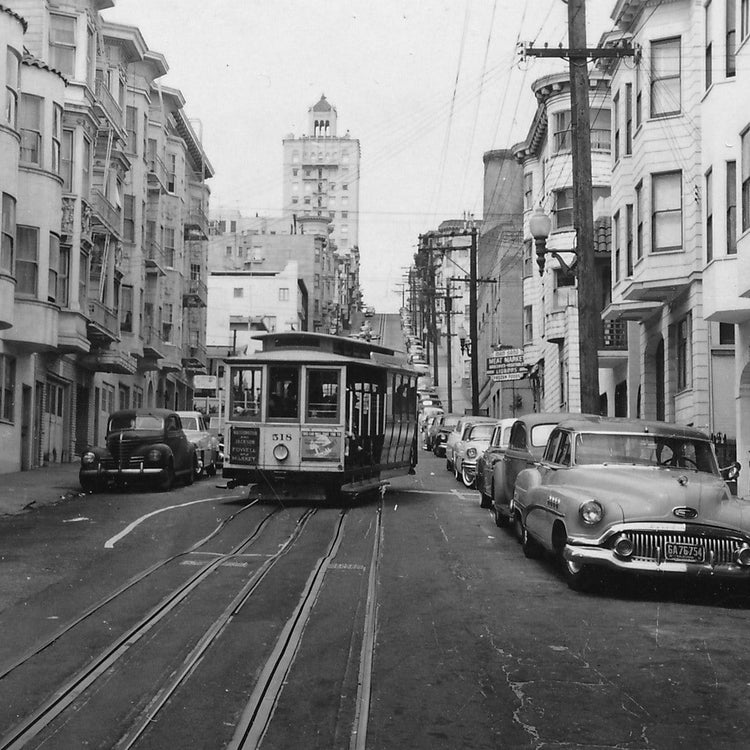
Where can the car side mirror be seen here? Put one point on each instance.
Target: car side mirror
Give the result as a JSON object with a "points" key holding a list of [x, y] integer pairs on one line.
{"points": [[731, 472]]}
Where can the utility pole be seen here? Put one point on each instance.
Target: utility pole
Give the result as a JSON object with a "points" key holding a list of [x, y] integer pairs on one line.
{"points": [[448, 313], [589, 313], [473, 323]]}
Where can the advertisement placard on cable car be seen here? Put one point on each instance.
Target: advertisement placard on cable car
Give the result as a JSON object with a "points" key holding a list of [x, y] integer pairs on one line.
{"points": [[320, 445]]}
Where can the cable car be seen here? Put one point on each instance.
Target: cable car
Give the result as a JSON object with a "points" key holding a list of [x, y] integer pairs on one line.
{"points": [[314, 416]]}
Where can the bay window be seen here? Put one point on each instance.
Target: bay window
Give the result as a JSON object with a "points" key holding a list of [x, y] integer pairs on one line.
{"points": [[666, 218], [27, 260]]}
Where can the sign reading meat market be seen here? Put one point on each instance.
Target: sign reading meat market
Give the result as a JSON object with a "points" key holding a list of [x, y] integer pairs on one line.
{"points": [[506, 364]]}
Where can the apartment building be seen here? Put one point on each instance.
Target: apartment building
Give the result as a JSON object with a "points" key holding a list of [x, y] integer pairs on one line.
{"points": [[682, 153], [81, 104], [321, 175], [550, 312]]}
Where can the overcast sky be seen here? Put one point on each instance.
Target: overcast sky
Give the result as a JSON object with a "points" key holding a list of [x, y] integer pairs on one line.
{"points": [[427, 86]]}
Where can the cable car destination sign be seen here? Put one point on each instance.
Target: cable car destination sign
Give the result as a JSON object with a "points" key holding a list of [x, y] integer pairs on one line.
{"points": [[506, 364]]}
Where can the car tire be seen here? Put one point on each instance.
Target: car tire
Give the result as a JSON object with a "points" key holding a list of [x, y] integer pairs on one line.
{"points": [[166, 481], [94, 485], [501, 521], [580, 577], [529, 545], [467, 478], [190, 476], [485, 500], [448, 465], [456, 473]]}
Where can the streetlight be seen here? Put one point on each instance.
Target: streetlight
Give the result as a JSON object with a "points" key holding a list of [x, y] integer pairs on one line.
{"points": [[540, 225]]}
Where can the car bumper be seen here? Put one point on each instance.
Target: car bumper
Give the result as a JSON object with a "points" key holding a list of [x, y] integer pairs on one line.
{"points": [[606, 558], [130, 472]]}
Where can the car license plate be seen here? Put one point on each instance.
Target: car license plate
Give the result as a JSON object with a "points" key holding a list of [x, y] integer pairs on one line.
{"points": [[679, 552]]}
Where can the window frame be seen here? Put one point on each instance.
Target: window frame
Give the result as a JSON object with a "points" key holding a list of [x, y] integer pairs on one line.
{"points": [[31, 129], [660, 80], [62, 53], [27, 260], [663, 213]]}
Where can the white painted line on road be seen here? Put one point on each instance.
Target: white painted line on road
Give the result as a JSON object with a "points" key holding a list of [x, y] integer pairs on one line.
{"points": [[116, 538], [76, 520]]}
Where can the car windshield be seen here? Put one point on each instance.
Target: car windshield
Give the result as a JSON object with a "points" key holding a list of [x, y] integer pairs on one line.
{"points": [[189, 423], [481, 432], [671, 451], [135, 422]]}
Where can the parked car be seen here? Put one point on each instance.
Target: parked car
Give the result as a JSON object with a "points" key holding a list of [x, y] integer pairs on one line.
{"points": [[528, 437], [488, 457], [142, 446], [456, 436], [636, 496], [439, 432], [474, 439], [369, 311], [206, 445]]}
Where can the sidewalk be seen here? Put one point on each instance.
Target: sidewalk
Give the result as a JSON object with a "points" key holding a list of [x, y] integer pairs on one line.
{"points": [[22, 491]]}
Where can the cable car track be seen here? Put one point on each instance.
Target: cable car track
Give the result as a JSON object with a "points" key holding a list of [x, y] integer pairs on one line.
{"points": [[72, 688]]}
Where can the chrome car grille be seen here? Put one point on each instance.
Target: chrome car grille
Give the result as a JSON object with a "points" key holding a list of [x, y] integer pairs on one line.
{"points": [[122, 454], [650, 545]]}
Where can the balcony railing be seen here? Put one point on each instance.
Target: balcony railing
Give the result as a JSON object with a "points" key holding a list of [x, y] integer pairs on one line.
{"points": [[103, 325], [157, 173], [105, 214], [108, 103], [195, 293], [196, 224], [154, 256]]}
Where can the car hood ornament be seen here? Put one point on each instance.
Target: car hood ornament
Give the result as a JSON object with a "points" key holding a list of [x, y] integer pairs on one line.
{"points": [[685, 512]]}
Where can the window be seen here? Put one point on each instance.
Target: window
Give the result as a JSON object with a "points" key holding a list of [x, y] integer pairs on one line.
{"points": [[616, 117], [638, 95], [131, 118], [126, 309], [27, 260], [57, 115], [561, 135], [66, 161], [708, 201], [528, 191], [629, 239], [232, 226], [11, 87], [128, 225], [601, 129], [345, 186], [283, 390], [322, 396], [563, 208], [639, 219], [730, 63], [63, 277], [30, 125], [744, 18], [283, 294], [745, 153], [83, 275], [171, 172], [8, 390], [53, 278], [528, 259], [726, 334], [62, 44], [166, 322], [228, 251], [8, 242], [195, 271], [628, 119], [528, 324], [169, 246], [344, 214], [731, 203], [616, 241], [666, 220], [238, 292], [708, 46], [86, 168], [665, 77], [683, 333]]}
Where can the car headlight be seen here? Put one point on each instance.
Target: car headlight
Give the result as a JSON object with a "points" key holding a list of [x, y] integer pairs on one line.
{"points": [[471, 453], [88, 458], [591, 512], [154, 455], [280, 452]]}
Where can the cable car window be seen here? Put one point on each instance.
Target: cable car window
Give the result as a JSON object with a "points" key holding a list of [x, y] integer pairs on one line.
{"points": [[283, 390], [246, 386], [322, 396]]}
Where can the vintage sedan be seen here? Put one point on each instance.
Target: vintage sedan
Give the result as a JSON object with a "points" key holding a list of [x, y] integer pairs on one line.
{"points": [[146, 446], [473, 438], [195, 425], [487, 459], [631, 495], [528, 437], [437, 438]]}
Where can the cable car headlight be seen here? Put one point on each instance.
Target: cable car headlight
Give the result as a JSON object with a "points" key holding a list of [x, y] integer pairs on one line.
{"points": [[280, 452]]}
